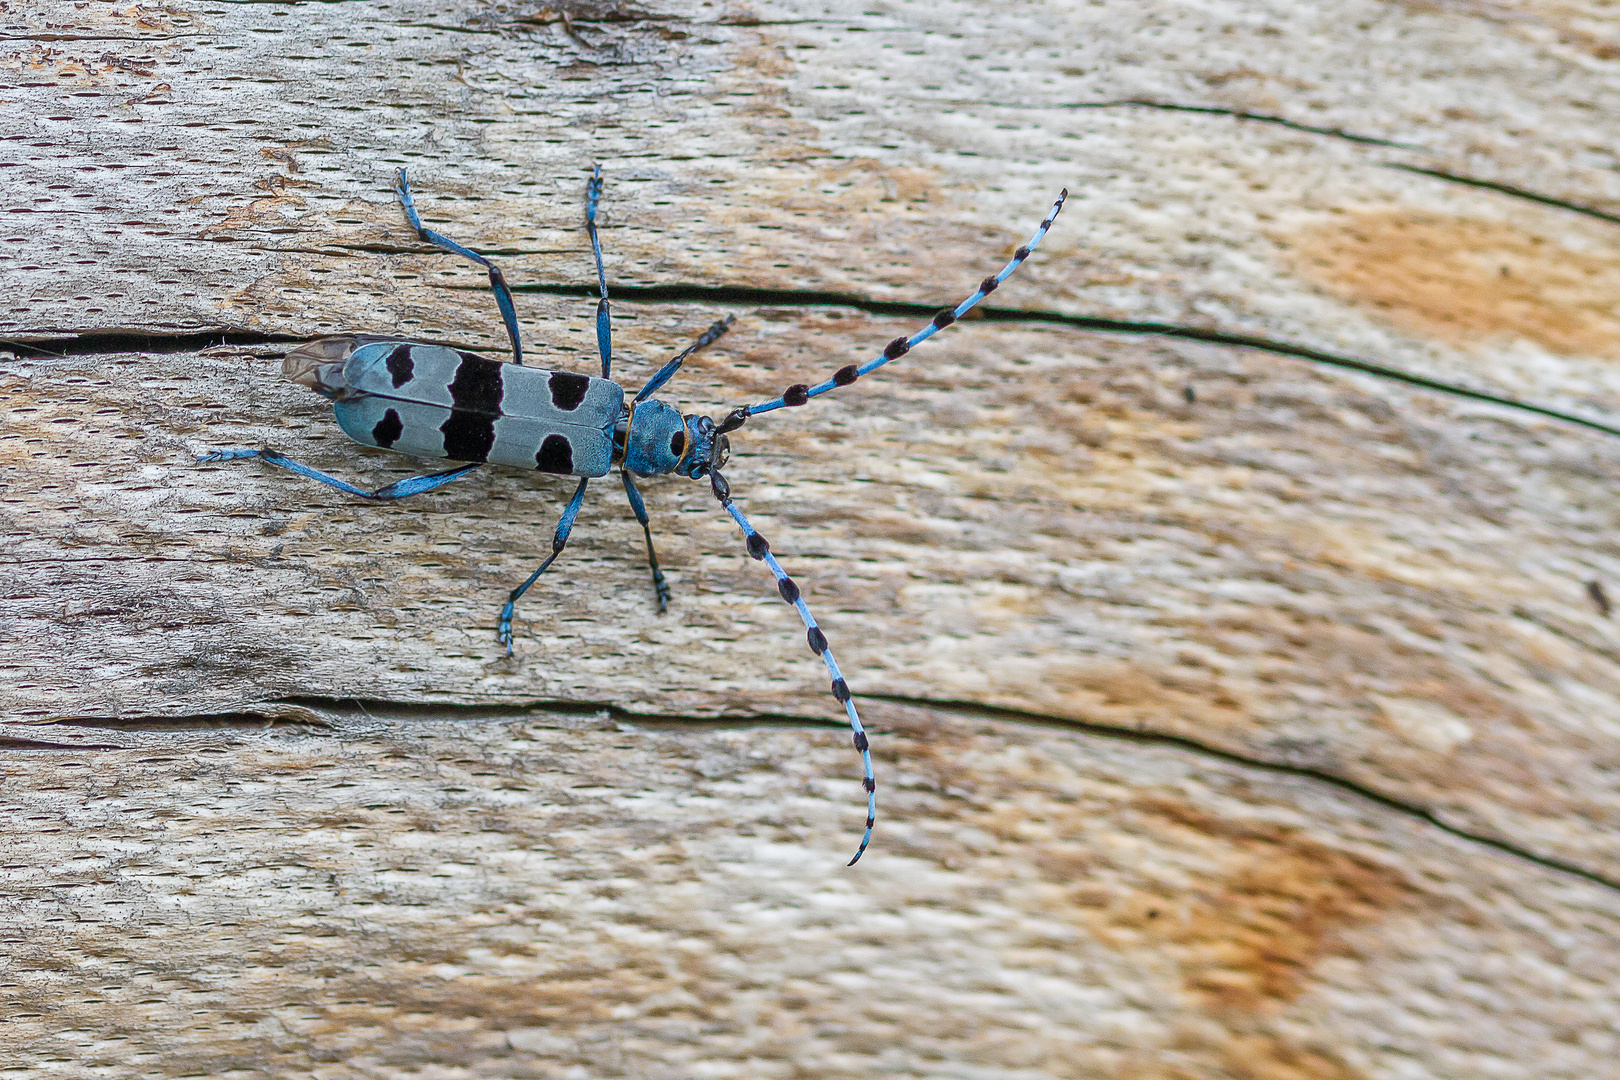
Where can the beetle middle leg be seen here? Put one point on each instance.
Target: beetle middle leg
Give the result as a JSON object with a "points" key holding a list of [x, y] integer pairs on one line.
{"points": [[633, 493], [604, 320], [564, 527], [497, 280]]}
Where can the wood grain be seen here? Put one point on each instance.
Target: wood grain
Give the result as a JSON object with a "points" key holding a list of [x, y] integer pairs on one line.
{"points": [[1236, 716], [556, 895]]}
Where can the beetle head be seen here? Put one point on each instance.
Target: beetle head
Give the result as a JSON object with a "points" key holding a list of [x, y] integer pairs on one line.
{"points": [[709, 449]]}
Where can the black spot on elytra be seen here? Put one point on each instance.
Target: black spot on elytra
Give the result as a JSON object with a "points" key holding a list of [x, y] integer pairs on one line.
{"points": [[400, 366], [477, 386], [568, 389], [556, 455], [468, 435], [388, 430]]}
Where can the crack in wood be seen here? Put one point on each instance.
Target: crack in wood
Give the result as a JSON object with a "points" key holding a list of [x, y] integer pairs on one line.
{"points": [[46, 36], [301, 712], [1506, 189], [94, 344], [1306, 772], [1349, 136], [1239, 114]]}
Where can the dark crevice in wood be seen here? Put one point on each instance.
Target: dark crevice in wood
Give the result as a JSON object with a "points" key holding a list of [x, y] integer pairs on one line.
{"points": [[11, 743], [1240, 114], [133, 38], [324, 709], [248, 720], [445, 27], [1305, 772], [1507, 189], [754, 297], [290, 3], [131, 342], [1349, 136], [102, 343]]}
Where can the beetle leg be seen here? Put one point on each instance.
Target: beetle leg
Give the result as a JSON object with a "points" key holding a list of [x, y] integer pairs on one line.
{"points": [[399, 489], [604, 323], [497, 281], [660, 586], [564, 527]]}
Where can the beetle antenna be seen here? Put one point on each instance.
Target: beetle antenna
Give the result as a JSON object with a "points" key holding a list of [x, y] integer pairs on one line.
{"points": [[663, 375], [760, 548], [799, 393]]}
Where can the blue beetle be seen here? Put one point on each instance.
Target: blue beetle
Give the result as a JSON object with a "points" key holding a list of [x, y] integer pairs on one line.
{"points": [[431, 401]]}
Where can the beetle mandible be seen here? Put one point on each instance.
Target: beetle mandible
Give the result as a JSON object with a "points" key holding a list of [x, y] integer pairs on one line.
{"points": [[436, 402]]}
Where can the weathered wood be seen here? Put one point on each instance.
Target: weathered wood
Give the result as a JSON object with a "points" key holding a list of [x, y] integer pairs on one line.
{"points": [[530, 897], [1380, 598]]}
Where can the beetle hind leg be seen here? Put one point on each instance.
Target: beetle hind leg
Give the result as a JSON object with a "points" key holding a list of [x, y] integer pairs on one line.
{"points": [[399, 489]]}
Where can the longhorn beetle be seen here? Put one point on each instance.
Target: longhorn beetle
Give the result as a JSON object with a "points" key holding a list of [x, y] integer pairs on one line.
{"points": [[436, 402]]}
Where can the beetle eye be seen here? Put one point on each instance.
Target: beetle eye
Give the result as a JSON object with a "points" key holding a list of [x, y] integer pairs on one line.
{"points": [[677, 443]]}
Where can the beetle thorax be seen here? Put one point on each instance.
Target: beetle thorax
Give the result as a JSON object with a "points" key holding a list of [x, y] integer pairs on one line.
{"points": [[656, 439]]}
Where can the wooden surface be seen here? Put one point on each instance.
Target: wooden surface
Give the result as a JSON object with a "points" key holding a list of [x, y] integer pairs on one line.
{"points": [[1236, 716]]}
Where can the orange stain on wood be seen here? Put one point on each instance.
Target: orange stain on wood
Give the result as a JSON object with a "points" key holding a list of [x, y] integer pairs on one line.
{"points": [[1252, 908], [1239, 911], [1248, 940], [1468, 281]]}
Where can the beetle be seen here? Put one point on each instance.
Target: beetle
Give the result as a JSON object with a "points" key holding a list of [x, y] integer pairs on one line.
{"points": [[432, 401]]}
